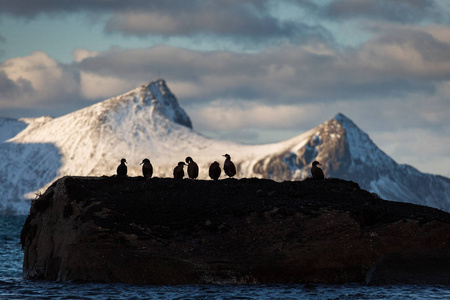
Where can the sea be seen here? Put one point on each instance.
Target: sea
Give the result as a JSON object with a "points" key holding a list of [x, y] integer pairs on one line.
{"points": [[14, 286]]}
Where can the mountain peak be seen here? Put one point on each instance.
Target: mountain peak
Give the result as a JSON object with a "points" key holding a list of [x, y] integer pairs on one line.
{"points": [[154, 97], [353, 133], [165, 102], [344, 120], [159, 83]]}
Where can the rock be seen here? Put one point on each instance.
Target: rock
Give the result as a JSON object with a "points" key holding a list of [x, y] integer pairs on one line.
{"points": [[165, 231], [412, 266]]}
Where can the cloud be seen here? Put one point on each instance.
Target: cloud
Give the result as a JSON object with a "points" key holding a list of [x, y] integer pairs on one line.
{"points": [[95, 87], [237, 21], [31, 80], [400, 11], [27, 9], [418, 147], [81, 54], [245, 20], [218, 74], [173, 13], [397, 62], [10, 89], [225, 115]]}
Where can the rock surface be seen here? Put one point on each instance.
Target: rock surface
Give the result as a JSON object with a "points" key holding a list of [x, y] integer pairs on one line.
{"points": [[165, 231]]}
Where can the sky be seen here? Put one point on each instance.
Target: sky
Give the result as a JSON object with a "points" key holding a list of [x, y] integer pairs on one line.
{"points": [[253, 71]]}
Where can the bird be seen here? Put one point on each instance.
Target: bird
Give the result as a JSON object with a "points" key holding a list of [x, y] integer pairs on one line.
{"points": [[147, 168], [317, 172], [214, 170], [192, 168], [178, 172], [228, 166], [122, 168]]}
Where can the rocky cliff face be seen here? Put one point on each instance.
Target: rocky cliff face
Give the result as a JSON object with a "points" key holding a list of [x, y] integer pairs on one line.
{"points": [[163, 231]]}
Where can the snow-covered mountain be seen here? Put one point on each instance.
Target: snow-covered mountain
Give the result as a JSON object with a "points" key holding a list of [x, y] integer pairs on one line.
{"points": [[347, 152], [148, 123]]}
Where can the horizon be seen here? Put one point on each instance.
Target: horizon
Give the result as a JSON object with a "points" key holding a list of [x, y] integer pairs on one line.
{"points": [[256, 71]]}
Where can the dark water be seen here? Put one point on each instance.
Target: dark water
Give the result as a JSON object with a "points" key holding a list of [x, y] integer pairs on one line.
{"points": [[13, 286]]}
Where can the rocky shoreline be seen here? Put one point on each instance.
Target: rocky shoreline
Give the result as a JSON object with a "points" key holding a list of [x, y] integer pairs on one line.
{"points": [[166, 231]]}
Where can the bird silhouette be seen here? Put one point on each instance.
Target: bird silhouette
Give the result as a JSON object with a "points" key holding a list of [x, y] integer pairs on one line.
{"points": [[192, 168], [122, 168], [317, 172], [147, 168], [214, 170], [228, 166], [178, 172]]}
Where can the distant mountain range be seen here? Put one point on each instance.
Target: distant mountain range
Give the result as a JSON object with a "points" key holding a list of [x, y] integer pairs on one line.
{"points": [[147, 122]]}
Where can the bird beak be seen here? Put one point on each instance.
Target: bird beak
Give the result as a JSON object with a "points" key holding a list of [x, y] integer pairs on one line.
{"points": [[141, 163]]}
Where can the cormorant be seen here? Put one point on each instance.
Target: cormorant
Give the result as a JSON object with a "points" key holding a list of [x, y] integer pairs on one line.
{"points": [[178, 172], [147, 168], [122, 168], [317, 172], [214, 170], [228, 166], [192, 168]]}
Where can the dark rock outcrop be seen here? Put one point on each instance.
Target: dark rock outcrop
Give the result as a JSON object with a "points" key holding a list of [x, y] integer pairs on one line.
{"points": [[164, 231]]}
